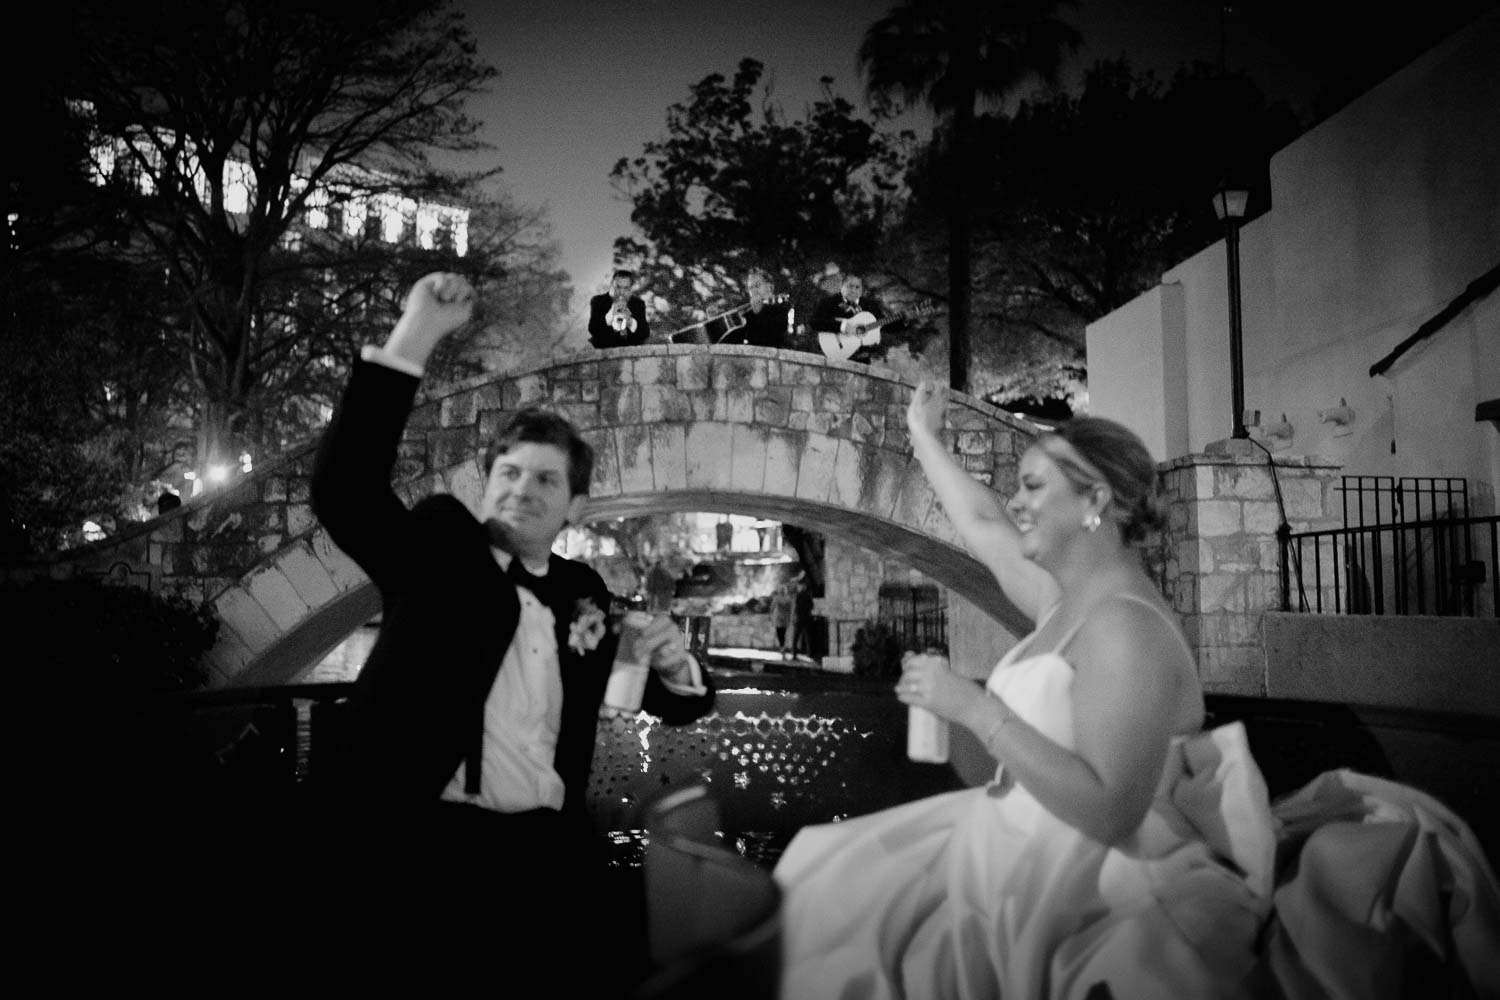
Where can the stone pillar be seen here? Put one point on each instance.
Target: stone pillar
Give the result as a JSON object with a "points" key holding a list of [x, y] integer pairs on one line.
{"points": [[1218, 560]]}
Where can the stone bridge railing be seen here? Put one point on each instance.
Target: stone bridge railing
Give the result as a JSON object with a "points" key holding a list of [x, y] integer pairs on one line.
{"points": [[777, 434]]}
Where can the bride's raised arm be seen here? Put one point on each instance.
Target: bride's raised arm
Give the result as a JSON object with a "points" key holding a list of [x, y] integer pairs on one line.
{"points": [[975, 510]]}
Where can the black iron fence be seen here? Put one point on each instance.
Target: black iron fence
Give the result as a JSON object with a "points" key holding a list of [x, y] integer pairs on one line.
{"points": [[1442, 566]]}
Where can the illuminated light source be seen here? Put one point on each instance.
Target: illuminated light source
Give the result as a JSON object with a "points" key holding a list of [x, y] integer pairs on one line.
{"points": [[218, 473], [245, 464], [92, 532]]}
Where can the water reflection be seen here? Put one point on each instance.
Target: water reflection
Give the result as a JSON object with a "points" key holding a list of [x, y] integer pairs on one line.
{"points": [[778, 753]]}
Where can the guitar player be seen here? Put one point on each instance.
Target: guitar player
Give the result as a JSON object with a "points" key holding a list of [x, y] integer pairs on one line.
{"points": [[834, 311]]}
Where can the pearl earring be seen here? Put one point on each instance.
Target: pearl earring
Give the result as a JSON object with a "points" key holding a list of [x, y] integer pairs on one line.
{"points": [[1091, 523]]}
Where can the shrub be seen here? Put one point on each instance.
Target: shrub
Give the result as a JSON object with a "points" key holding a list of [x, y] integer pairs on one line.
{"points": [[88, 637], [877, 651]]}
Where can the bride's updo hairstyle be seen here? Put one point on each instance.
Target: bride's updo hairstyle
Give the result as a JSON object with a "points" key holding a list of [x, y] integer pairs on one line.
{"points": [[1110, 452]]}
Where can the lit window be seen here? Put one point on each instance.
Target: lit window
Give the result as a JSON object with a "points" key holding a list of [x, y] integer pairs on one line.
{"points": [[317, 208], [391, 217], [238, 182], [354, 215], [427, 226]]}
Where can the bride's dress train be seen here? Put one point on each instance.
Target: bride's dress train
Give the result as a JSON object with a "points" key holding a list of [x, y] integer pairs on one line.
{"points": [[983, 893]]}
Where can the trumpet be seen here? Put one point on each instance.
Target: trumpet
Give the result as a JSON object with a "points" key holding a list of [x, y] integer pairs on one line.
{"points": [[618, 316]]}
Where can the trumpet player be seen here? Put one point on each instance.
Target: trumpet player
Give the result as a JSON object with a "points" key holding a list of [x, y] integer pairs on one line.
{"points": [[617, 318]]}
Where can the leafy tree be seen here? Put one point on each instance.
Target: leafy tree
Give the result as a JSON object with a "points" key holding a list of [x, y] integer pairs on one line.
{"points": [[953, 55], [317, 99], [123, 338], [736, 183], [1086, 199]]}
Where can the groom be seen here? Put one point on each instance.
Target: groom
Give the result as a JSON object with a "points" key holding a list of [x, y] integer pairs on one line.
{"points": [[471, 729]]}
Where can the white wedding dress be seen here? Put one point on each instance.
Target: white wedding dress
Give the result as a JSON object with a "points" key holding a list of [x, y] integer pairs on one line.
{"points": [[983, 893]]}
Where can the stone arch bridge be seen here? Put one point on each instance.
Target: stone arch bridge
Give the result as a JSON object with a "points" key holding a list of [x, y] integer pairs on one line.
{"points": [[777, 434]]}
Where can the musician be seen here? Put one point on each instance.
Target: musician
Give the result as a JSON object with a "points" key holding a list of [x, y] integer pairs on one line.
{"points": [[850, 300], [765, 321], [617, 318]]}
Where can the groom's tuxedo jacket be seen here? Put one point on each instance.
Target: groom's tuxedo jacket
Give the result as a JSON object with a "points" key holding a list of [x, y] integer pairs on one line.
{"points": [[448, 615]]}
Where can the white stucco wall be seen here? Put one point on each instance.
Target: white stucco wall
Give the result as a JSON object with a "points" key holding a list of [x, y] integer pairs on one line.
{"points": [[1382, 215]]}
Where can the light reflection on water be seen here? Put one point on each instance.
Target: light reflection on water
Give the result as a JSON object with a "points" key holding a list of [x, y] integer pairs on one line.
{"points": [[774, 759]]}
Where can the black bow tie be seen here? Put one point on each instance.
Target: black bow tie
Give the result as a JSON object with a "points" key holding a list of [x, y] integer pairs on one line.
{"points": [[541, 586]]}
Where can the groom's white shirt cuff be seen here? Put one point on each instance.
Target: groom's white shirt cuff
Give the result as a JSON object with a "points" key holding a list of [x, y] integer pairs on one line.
{"points": [[380, 356]]}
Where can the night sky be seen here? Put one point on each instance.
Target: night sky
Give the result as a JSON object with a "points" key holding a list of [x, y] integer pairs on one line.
{"points": [[585, 82]]}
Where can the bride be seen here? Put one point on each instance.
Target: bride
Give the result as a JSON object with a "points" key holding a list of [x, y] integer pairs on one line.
{"points": [[1120, 851]]}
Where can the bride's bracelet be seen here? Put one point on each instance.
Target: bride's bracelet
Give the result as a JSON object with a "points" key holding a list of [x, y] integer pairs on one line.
{"points": [[1005, 716]]}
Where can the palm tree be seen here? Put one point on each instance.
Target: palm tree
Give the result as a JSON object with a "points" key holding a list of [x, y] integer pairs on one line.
{"points": [[950, 55]]}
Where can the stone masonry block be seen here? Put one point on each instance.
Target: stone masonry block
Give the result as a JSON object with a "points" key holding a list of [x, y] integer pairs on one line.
{"points": [[803, 374], [459, 410], [913, 498], [1218, 517], [1232, 554], [847, 475], [828, 424], [605, 480], [828, 399], [1303, 498], [747, 461], [1245, 482], [706, 404], [961, 418], [669, 456], [530, 390], [307, 575], [974, 443], [634, 444], [238, 609], [299, 518], [620, 404], [275, 593], [693, 372], [345, 571], [1261, 517], [652, 371], [708, 448], [881, 476], [771, 409], [783, 457], [736, 406], [938, 525], [1221, 592], [1196, 482], [739, 373], [815, 471], [664, 402]]}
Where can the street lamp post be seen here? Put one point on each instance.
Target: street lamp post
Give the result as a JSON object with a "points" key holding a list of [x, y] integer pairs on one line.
{"points": [[1229, 206]]}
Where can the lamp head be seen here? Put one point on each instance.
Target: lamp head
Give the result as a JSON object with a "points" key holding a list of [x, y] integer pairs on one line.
{"points": [[1230, 203]]}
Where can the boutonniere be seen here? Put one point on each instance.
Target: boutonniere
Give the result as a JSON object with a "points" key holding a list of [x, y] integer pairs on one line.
{"points": [[587, 629]]}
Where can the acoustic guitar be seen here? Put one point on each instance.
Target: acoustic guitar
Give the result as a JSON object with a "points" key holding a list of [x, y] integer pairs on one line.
{"points": [[715, 328], [863, 330]]}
